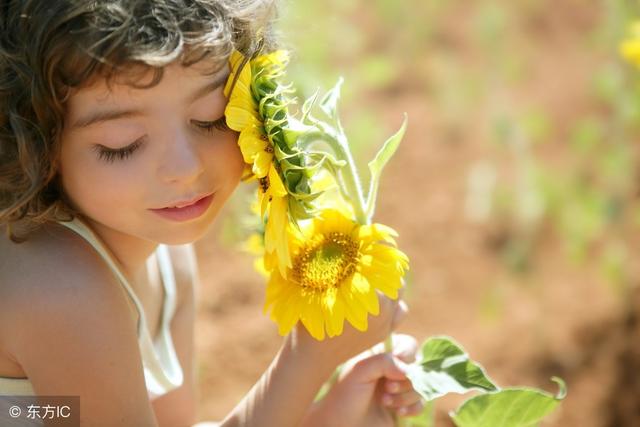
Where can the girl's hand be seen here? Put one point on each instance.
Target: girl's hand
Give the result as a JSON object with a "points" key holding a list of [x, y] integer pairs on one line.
{"points": [[336, 350], [369, 388]]}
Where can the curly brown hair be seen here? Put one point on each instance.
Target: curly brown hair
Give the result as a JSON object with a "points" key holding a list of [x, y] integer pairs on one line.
{"points": [[49, 47]]}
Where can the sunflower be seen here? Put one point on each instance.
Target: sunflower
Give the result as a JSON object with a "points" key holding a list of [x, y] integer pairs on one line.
{"points": [[337, 266], [243, 116], [247, 89], [273, 195]]}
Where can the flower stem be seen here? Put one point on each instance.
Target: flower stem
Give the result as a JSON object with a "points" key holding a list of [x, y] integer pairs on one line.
{"points": [[388, 344], [352, 187], [351, 181], [348, 178]]}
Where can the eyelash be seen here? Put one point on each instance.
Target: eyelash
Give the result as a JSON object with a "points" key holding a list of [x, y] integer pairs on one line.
{"points": [[110, 155], [209, 127]]}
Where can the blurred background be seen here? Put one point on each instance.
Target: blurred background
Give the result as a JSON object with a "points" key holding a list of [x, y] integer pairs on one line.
{"points": [[516, 192]]}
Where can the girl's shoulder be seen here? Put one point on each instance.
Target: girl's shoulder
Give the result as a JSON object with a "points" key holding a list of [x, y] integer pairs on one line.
{"points": [[55, 259], [67, 323], [56, 265], [53, 262], [42, 251]]}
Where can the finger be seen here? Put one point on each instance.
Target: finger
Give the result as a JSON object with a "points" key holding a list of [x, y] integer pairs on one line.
{"points": [[400, 400], [411, 410], [395, 386], [401, 313], [405, 347], [402, 344], [372, 368]]}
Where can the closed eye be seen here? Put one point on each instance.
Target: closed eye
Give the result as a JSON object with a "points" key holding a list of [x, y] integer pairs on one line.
{"points": [[219, 124], [110, 155]]}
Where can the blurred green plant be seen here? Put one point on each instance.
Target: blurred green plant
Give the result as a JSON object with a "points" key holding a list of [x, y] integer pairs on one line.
{"points": [[588, 197]]}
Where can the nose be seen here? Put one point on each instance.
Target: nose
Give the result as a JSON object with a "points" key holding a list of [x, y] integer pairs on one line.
{"points": [[181, 160]]}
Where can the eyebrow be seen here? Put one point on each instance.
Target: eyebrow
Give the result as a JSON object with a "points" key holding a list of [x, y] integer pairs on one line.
{"points": [[113, 114]]}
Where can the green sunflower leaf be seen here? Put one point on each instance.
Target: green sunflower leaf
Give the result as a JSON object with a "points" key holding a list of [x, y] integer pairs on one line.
{"points": [[378, 163], [512, 407], [444, 367]]}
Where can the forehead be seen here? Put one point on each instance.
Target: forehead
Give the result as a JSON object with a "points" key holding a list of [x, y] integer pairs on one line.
{"points": [[142, 80]]}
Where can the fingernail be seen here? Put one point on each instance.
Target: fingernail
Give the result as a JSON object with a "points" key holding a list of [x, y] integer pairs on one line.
{"points": [[387, 400], [402, 366], [394, 387], [402, 411]]}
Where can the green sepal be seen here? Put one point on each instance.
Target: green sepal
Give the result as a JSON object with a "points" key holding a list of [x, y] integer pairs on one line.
{"points": [[329, 103], [308, 105]]}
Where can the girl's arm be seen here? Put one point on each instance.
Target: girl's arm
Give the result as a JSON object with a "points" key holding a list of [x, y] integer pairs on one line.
{"points": [[285, 392]]}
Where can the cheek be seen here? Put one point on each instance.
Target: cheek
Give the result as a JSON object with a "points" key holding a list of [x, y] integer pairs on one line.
{"points": [[228, 159], [97, 188]]}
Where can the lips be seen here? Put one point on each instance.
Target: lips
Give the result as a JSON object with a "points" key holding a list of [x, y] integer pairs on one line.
{"points": [[185, 202], [186, 213]]}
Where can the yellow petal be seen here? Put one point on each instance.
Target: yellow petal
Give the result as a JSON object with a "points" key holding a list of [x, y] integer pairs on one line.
{"points": [[334, 312], [240, 116], [277, 239], [235, 60], [262, 162], [381, 257], [377, 232], [333, 220], [360, 284], [365, 293], [251, 144], [271, 63], [263, 201], [387, 283], [355, 312], [275, 183], [312, 318], [291, 314], [276, 288]]}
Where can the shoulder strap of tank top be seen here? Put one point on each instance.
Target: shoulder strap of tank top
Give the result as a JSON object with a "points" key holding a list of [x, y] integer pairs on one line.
{"points": [[158, 379], [85, 231], [171, 375], [169, 283]]}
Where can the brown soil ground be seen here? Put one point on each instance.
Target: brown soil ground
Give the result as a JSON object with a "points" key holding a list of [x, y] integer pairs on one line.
{"points": [[560, 318]]}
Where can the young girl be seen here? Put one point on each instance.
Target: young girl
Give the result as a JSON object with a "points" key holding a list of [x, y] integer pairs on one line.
{"points": [[114, 154]]}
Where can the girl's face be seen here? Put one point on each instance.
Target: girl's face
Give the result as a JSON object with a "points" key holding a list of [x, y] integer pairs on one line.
{"points": [[126, 151]]}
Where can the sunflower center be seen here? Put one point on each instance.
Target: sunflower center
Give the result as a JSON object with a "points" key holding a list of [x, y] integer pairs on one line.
{"points": [[326, 262]]}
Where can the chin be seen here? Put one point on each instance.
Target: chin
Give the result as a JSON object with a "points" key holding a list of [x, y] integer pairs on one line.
{"points": [[185, 236], [181, 233]]}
